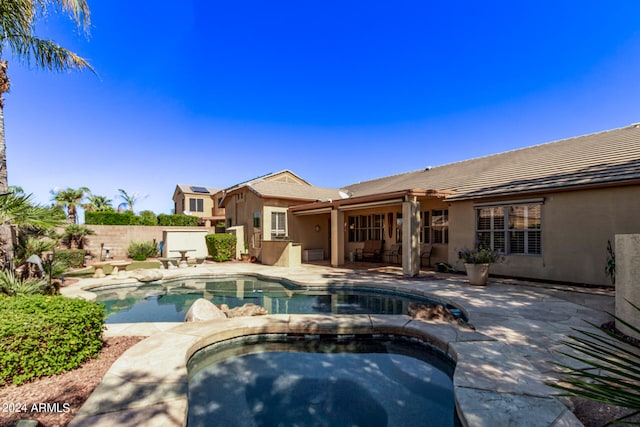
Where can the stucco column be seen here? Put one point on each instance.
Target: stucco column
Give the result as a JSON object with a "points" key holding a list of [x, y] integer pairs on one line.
{"points": [[627, 289], [411, 238], [337, 238]]}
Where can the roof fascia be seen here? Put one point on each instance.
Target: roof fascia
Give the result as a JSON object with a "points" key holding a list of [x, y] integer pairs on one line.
{"points": [[371, 198], [546, 190]]}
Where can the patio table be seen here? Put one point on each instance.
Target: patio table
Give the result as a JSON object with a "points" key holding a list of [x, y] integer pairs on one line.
{"points": [[183, 256]]}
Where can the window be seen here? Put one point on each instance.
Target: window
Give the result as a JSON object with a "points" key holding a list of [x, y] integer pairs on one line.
{"points": [[513, 229], [490, 226], [196, 205], [425, 235], [440, 226], [365, 227], [278, 225], [256, 219], [399, 227]]}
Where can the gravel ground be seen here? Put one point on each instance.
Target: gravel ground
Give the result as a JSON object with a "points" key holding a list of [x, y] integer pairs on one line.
{"points": [[65, 393]]}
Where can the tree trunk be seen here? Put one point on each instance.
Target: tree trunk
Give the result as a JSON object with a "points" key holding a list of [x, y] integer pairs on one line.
{"points": [[71, 214], [6, 232]]}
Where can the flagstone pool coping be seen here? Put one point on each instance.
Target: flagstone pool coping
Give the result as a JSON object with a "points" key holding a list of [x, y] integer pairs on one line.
{"points": [[493, 383]]}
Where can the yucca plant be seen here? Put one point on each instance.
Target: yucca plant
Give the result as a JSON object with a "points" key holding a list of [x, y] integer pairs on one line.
{"points": [[612, 372], [12, 285]]}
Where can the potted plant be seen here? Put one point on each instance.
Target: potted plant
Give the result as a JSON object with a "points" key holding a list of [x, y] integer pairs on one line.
{"points": [[245, 255], [477, 262]]}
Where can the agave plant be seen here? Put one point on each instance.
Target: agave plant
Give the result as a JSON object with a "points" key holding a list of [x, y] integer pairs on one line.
{"points": [[612, 372], [12, 285]]}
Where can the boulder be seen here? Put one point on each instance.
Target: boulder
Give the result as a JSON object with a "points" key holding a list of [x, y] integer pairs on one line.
{"points": [[249, 309], [146, 275], [435, 312], [430, 312], [203, 309]]}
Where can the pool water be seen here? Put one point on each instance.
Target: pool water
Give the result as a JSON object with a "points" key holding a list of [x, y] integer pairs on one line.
{"points": [[321, 382], [170, 301]]}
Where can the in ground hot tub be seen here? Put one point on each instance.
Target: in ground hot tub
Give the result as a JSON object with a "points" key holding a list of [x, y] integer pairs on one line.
{"points": [[280, 379]]}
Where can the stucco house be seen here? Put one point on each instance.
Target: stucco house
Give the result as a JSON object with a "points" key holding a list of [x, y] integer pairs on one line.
{"points": [[551, 208], [260, 206], [200, 201]]}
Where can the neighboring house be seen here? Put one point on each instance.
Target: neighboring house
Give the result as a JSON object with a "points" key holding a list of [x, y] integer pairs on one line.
{"points": [[200, 201], [550, 208], [261, 205]]}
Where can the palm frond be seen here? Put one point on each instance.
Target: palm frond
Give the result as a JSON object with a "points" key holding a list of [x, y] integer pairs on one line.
{"points": [[19, 210], [609, 371], [17, 31]]}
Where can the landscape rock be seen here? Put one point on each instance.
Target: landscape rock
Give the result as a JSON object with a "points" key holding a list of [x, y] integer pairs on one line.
{"points": [[430, 312], [203, 309], [247, 310], [436, 312], [146, 275]]}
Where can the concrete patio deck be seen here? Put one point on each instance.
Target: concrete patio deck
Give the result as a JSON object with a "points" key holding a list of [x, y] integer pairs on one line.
{"points": [[501, 367]]}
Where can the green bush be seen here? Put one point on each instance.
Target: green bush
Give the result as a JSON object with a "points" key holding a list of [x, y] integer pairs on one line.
{"points": [[71, 257], [140, 251], [110, 218], [178, 220], [147, 218], [46, 335], [221, 246]]}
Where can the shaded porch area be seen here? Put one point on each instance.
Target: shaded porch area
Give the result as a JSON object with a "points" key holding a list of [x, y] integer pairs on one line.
{"points": [[408, 229]]}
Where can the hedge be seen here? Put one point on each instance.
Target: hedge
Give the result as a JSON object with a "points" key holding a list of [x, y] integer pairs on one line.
{"points": [[145, 218], [46, 335], [179, 220], [221, 246], [110, 218]]}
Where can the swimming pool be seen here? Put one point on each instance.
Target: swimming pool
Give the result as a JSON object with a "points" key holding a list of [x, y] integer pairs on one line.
{"points": [[169, 301], [284, 380]]}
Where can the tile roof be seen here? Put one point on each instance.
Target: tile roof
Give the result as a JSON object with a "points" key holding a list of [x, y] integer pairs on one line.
{"points": [[600, 158], [288, 190], [187, 188]]}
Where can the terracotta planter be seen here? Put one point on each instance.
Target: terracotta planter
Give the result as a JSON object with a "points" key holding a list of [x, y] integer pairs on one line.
{"points": [[244, 257], [478, 274]]}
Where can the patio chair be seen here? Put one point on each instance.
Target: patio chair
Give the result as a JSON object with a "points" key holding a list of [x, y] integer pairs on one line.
{"points": [[395, 251], [372, 250], [425, 252]]}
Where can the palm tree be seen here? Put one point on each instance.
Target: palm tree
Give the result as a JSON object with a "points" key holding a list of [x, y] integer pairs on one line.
{"points": [[17, 211], [70, 199], [129, 199], [98, 204], [75, 235], [17, 26]]}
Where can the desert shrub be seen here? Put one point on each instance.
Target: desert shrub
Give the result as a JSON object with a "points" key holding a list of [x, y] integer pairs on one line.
{"points": [[221, 246], [71, 257], [46, 335], [10, 284], [140, 251], [178, 220]]}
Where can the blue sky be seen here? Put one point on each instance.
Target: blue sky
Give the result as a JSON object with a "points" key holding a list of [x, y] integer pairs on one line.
{"points": [[213, 93]]}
